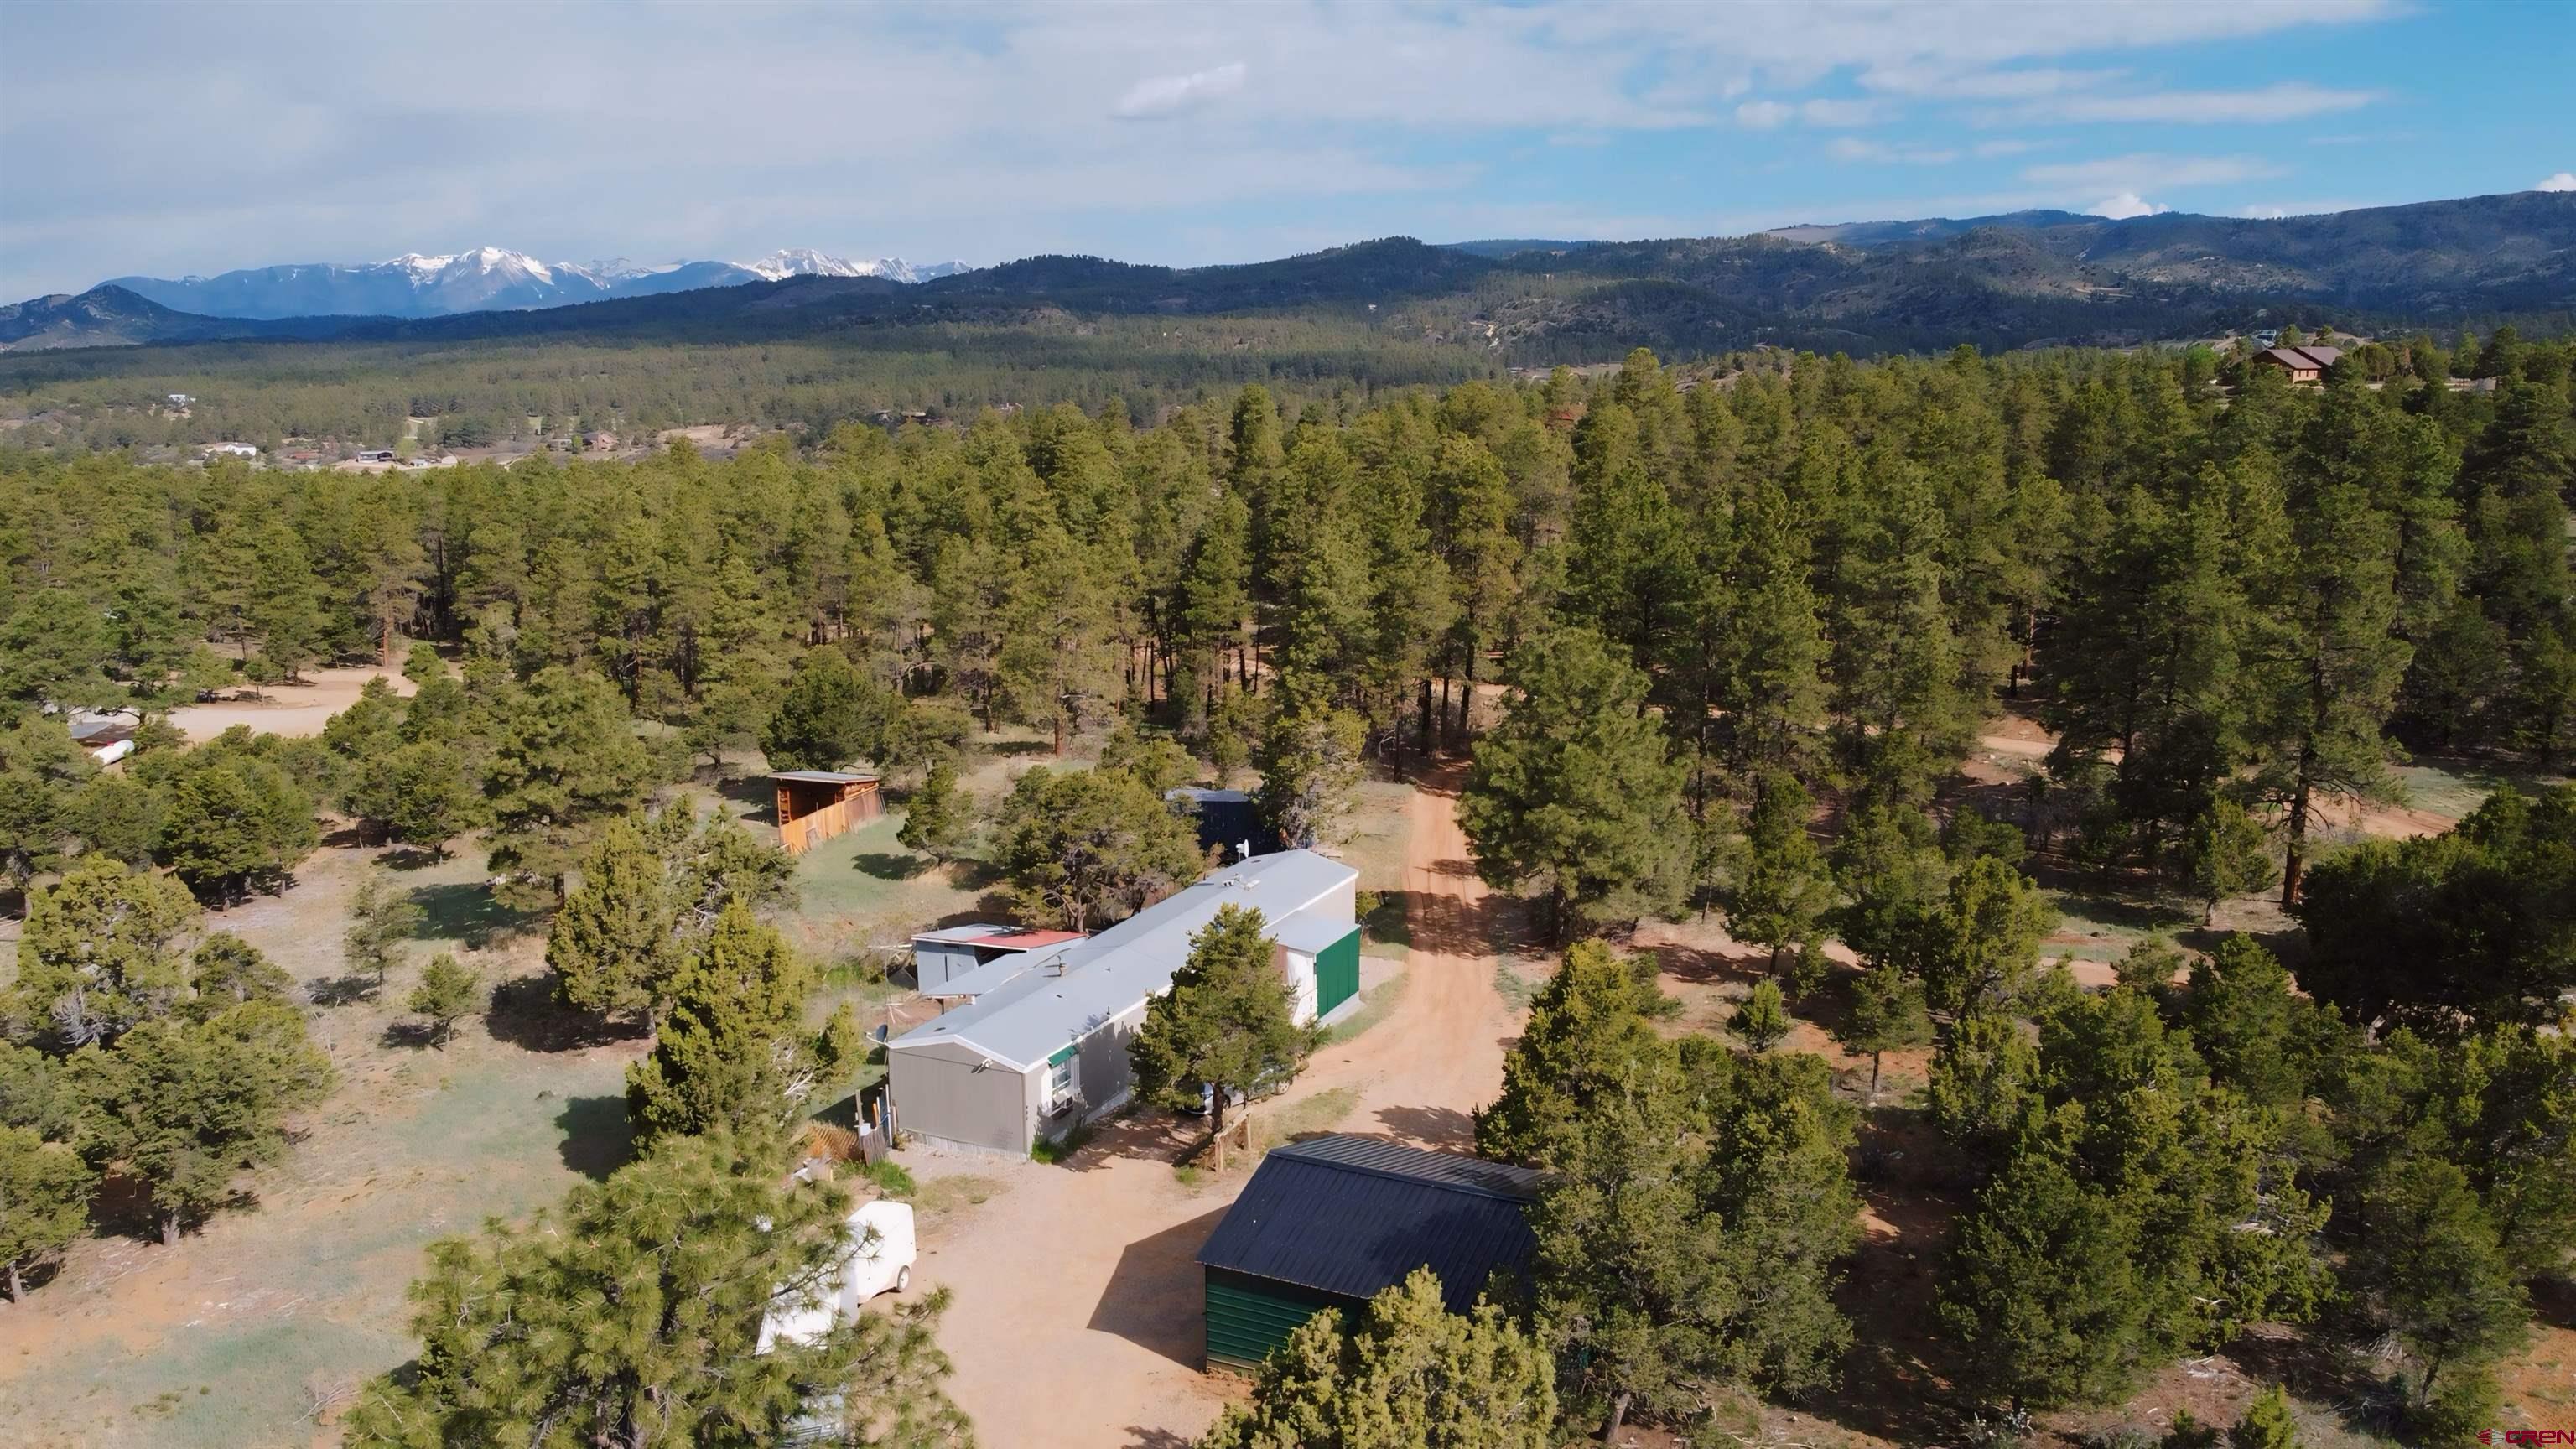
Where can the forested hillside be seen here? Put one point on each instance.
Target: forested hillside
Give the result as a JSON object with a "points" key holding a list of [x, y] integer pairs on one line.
{"points": [[1749, 629]]}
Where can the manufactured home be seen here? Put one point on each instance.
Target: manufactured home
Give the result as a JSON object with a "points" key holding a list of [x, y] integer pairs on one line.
{"points": [[1042, 1045]]}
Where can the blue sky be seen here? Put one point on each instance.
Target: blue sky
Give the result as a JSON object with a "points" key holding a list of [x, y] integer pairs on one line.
{"points": [[201, 136]]}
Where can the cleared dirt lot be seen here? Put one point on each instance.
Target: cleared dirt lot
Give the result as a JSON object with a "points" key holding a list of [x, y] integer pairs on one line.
{"points": [[1076, 1319], [288, 709]]}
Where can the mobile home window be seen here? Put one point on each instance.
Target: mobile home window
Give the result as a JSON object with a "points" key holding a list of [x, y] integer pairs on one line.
{"points": [[1060, 1079]]}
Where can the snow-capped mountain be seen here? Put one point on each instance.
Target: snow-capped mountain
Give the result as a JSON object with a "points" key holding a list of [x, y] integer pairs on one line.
{"points": [[486, 279], [807, 262]]}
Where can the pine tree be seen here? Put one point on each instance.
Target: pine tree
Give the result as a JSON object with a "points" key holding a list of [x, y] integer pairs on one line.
{"points": [[186, 1106], [1227, 1025], [381, 918], [612, 947], [99, 954], [732, 1056], [1778, 1179], [1887, 1014], [432, 801], [2432, 1265], [41, 774], [2040, 1298], [1309, 761], [2267, 1423], [565, 762], [226, 971], [1983, 942], [2227, 853], [448, 993], [1089, 847], [829, 716], [938, 817], [1587, 1036], [1777, 892], [640, 1302], [1984, 1085], [1762, 1021], [1409, 1374], [44, 1203], [1574, 790]]}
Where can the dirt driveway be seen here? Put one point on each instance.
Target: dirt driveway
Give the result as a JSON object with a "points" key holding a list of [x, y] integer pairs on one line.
{"points": [[1076, 1319]]}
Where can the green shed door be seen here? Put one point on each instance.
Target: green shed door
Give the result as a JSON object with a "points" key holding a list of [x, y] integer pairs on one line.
{"points": [[1247, 1317], [1337, 972]]}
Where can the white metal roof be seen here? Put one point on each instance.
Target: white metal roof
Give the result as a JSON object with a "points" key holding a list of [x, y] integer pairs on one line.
{"points": [[1060, 996]]}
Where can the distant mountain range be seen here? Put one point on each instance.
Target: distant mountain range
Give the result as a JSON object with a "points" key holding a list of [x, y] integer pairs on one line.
{"points": [[487, 279], [2017, 280]]}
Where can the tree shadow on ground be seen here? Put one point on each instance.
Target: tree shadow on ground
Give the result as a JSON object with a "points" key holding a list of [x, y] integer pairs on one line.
{"points": [[464, 912], [1146, 1133], [753, 792], [886, 865], [597, 1137], [411, 1035], [411, 857], [1441, 1127], [1140, 1437], [1020, 747], [2322, 1369], [526, 1015], [340, 990], [1896, 1382], [1154, 1298]]}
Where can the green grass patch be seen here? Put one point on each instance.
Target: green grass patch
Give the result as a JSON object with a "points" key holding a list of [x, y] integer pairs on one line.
{"points": [[1321, 1112], [2103, 928], [1516, 989], [1186, 1175], [1375, 1006], [1060, 1149], [891, 1177], [2454, 787], [954, 1194]]}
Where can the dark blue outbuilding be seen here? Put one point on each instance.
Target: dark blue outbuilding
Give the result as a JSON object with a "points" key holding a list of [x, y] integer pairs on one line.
{"points": [[1332, 1221]]}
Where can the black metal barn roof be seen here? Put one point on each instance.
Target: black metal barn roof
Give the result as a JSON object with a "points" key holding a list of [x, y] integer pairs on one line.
{"points": [[1351, 1216]]}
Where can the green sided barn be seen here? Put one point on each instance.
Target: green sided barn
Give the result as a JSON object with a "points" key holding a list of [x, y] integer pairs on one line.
{"points": [[1332, 1221]]}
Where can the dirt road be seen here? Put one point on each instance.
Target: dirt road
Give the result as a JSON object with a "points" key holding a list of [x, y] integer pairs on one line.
{"points": [[1076, 1319]]}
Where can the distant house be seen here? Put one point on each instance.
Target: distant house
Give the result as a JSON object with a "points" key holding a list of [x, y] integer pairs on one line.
{"points": [[1042, 1048], [375, 455], [232, 450], [181, 399], [1229, 821], [107, 738], [815, 805], [2303, 363], [1331, 1222]]}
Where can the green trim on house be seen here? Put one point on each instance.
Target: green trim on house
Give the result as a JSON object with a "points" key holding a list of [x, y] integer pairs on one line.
{"points": [[1247, 1317], [1337, 972], [1058, 1059]]}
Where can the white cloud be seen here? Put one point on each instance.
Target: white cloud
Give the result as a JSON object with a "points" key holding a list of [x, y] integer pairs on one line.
{"points": [[2126, 205], [1040, 134], [2008, 148], [2287, 101], [2563, 181], [1165, 95]]}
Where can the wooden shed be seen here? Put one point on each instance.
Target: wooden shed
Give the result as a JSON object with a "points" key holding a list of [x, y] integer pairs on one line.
{"points": [[815, 805]]}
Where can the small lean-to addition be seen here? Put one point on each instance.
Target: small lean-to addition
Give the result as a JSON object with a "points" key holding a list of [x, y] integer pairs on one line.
{"points": [[815, 805]]}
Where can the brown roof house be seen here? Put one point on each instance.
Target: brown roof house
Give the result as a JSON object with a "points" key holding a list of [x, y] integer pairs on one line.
{"points": [[2304, 363]]}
